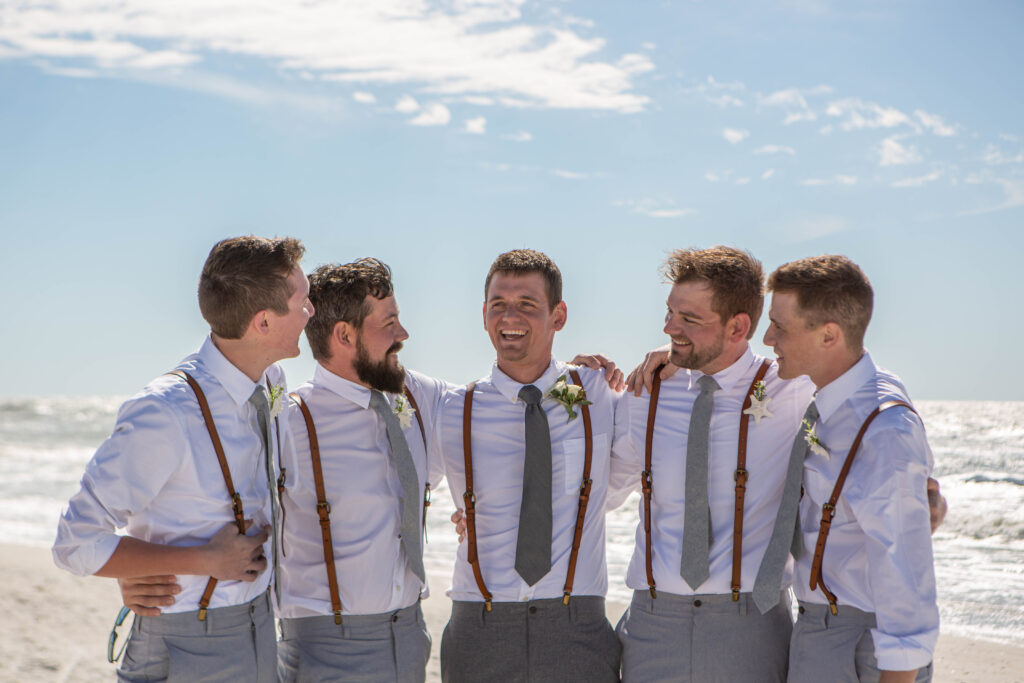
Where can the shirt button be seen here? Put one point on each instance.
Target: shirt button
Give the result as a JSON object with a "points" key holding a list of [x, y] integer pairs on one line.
{"points": [[533, 609], [801, 609], [696, 603], [398, 589], [399, 535]]}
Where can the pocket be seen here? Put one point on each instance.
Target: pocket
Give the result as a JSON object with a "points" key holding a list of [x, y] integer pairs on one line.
{"points": [[573, 455]]}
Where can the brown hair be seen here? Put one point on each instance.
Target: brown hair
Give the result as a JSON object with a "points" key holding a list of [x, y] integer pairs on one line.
{"points": [[245, 275], [829, 288], [338, 293], [524, 261], [735, 276]]}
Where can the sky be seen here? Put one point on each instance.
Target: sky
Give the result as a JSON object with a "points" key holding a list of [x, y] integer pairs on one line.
{"points": [[436, 135]]}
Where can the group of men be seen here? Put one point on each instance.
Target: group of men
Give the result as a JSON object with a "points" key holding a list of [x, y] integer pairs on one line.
{"points": [[239, 502]]}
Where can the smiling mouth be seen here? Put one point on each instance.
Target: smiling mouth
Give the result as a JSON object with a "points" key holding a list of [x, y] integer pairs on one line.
{"points": [[512, 334], [678, 342]]}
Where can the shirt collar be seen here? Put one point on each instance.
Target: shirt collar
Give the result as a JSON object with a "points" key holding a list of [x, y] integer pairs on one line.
{"points": [[509, 388], [234, 381], [346, 389], [838, 391], [729, 376]]}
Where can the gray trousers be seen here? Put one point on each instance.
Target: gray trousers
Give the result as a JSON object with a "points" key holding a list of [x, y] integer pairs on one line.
{"points": [[703, 638], [365, 648], [838, 648], [539, 641], [234, 643]]}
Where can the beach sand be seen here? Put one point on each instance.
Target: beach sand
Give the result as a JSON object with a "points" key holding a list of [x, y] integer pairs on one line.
{"points": [[55, 628]]}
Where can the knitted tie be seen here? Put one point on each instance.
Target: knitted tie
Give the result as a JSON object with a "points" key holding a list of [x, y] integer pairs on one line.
{"points": [[533, 545], [260, 401], [697, 520]]}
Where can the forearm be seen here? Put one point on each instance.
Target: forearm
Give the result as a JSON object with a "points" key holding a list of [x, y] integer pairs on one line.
{"points": [[898, 676], [133, 558]]}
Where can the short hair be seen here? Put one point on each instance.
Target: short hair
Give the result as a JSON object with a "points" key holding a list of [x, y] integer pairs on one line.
{"points": [[829, 288], [523, 262], [736, 279], [338, 294], [245, 275]]}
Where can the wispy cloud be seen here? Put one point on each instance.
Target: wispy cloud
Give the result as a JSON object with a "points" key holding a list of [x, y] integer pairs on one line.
{"points": [[721, 94], [918, 181], [935, 124], [570, 175], [518, 136], [814, 227], [834, 180], [477, 126], [892, 153], [407, 104], [995, 156], [768, 174], [1013, 197], [858, 114], [435, 114], [775, 149], [794, 102], [654, 208], [462, 48], [735, 135], [364, 97]]}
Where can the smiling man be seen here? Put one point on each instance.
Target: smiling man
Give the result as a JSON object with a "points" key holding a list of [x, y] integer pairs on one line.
{"points": [[865, 581], [188, 473], [710, 448], [359, 474], [529, 461]]}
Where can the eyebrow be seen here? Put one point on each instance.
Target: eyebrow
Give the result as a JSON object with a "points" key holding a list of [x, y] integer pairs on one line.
{"points": [[521, 297]]}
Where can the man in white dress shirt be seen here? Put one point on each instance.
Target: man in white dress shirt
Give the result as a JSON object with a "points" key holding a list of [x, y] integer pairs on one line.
{"points": [[866, 587], [159, 477], [702, 623], [364, 623], [528, 608]]}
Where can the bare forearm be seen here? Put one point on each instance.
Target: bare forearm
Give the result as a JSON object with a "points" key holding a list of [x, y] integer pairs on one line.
{"points": [[134, 558], [898, 676]]}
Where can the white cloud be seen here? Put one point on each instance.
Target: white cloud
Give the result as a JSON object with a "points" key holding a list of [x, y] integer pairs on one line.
{"points": [[775, 149], [518, 136], [814, 227], [482, 48], [859, 114], [718, 93], [934, 123], [434, 114], [918, 181], [364, 97], [794, 102], [1013, 196], [768, 174], [742, 181], [712, 176], [735, 135], [892, 153], [407, 105], [654, 208], [835, 180], [477, 126], [569, 175], [1009, 137], [995, 156]]}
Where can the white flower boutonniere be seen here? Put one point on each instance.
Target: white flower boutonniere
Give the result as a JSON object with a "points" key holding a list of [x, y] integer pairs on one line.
{"points": [[811, 437], [403, 411], [759, 401], [276, 400], [569, 395]]}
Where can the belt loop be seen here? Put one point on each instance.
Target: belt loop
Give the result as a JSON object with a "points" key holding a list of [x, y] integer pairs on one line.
{"points": [[208, 622], [483, 614], [742, 604]]}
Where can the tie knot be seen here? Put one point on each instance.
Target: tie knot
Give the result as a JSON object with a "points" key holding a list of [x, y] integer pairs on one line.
{"points": [[811, 415], [708, 384], [259, 398], [530, 395], [378, 401]]}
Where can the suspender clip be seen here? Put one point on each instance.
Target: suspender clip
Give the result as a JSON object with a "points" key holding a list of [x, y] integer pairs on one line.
{"points": [[565, 597], [202, 614], [337, 617], [487, 604], [833, 609], [735, 594], [654, 593]]}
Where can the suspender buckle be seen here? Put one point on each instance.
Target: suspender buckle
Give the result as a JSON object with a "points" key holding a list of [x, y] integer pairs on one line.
{"points": [[469, 497], [740, 474], [323, 507], [236, 504], [828, 511], [645, 480]]}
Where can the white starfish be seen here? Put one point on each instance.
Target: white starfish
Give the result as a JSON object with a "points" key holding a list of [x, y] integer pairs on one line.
{"points": [[759, 408]]}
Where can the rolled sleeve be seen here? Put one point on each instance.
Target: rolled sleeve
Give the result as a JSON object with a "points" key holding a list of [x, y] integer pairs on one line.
{"points": [[625, 464]]}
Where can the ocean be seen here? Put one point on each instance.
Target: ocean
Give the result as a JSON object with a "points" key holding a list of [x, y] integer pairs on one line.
{"points": [[979, 462]]}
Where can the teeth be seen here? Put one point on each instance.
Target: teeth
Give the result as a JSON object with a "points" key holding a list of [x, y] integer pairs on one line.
{"points": [[513, 333]]}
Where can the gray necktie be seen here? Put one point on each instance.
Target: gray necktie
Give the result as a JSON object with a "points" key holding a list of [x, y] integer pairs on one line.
{"points": [[260, 401], [401, 457], [786, 532], [533, 545], [697, 519]]}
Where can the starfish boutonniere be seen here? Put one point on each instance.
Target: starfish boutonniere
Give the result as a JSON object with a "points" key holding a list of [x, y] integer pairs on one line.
{"points": [[812, 439], [759, 401], [569, 395], [403, 411], [276, 402]]}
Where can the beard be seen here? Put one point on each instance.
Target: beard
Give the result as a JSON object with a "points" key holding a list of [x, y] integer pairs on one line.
{"points": [[698, 358], [380, 375]]}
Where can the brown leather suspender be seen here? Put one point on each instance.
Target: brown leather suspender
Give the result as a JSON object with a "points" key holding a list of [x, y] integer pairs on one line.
{"points": [[323, 509], [236, 500], [828, 510], [423, 433], [469, 497], [740, 477]]}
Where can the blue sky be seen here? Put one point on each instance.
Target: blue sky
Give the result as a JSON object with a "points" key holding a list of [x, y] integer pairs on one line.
{"points": [[432, 135]]}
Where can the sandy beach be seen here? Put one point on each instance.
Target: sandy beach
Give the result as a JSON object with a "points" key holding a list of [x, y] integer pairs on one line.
{"points": [[55, 628]]}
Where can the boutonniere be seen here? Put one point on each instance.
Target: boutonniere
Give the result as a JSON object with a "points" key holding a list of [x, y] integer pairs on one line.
{"points": [[276, 400], [759, 401], [569, 395], [403, 410], [811, 437]]}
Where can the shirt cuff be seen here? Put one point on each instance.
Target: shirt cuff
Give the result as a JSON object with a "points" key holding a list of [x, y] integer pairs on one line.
{"points": [[84, 559], [904, 653]]}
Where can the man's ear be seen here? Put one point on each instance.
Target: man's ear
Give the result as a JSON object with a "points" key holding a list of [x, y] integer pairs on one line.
{"points": [[344, 335], [260, 323], [831, 335], [738, 327], [561, 315]]}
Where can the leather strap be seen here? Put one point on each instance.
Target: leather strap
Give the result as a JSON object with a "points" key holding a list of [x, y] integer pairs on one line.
{"points": [[828, 510], [740, 477], [469, 498], [646, 477], [423, 433], [323, 508], [281, 478], [585, 485], [236, 500]]}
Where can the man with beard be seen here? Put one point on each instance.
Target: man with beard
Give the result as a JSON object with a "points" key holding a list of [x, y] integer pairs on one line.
{"points": [[352, 575], [709, 447]]}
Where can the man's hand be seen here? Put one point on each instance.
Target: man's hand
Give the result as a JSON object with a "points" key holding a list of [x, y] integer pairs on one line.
{"points": [[145, 595], [459, 520], [643, 375], [598, 361], [233, 556], [936, 504]]}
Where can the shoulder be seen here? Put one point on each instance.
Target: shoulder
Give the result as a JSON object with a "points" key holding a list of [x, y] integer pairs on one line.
{"points": [[594, 384], [425, 388]]}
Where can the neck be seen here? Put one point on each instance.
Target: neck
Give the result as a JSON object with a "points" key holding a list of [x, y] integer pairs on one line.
{"points": [[835, 368], [729, 355], [525, 372], [244, 355], [342, 367]]}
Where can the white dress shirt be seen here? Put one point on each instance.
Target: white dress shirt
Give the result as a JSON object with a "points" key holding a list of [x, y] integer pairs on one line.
{"points": [[768, 447], [499, 444], [364, 492], [879, 552], [158, 477]]}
